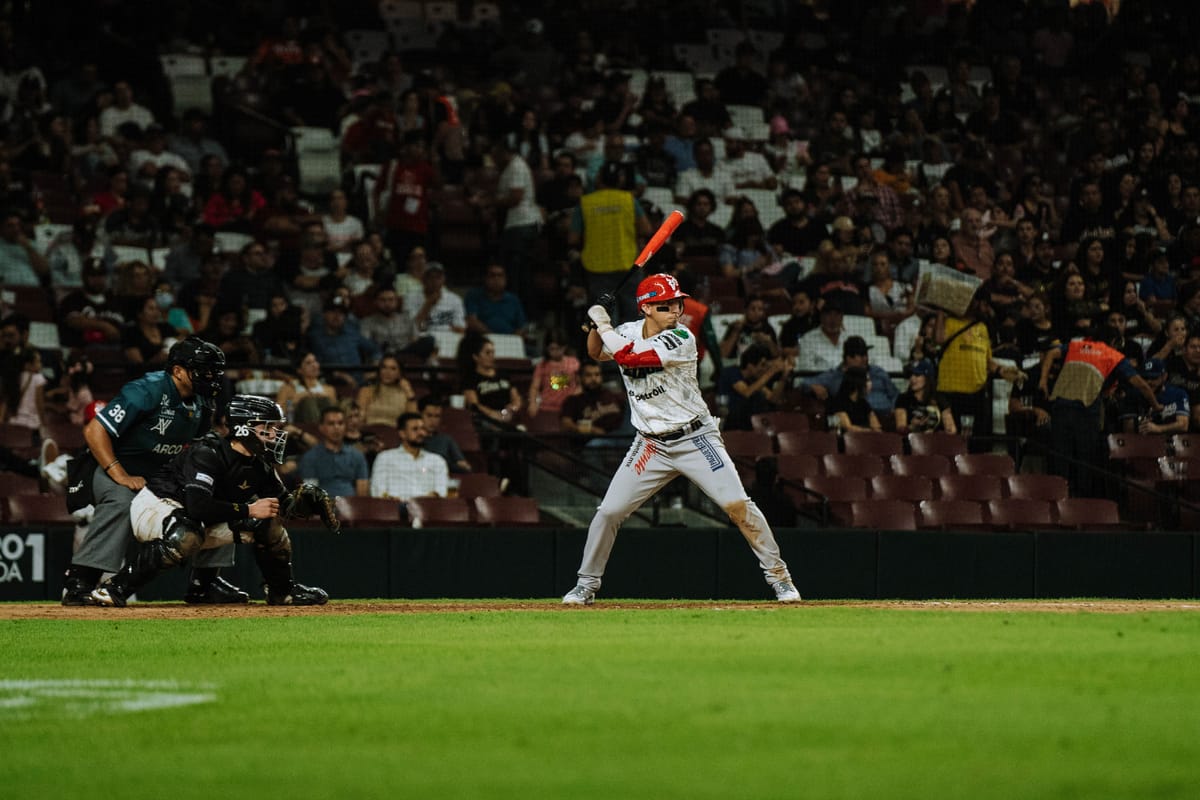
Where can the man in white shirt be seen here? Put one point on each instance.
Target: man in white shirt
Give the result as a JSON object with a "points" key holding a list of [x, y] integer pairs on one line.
{"points": [[408, 471], [146, 161], [705, 175], [434, 307], [746, 168], [515, 193], [821, 348], [124, 110]]}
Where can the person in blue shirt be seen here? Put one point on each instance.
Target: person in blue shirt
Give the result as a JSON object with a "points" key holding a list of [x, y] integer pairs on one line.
{"points": [[855, 353], [491, 308], [339, 469], [1137, 416], [1159, 283], [754, 385], [337, 342], [152, 419]]}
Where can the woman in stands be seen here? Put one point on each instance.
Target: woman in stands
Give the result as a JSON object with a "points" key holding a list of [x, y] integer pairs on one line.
{"points": [[920, 409], [147, 339], [236, 206], [304, 396], [555, 378], [489, 395], [388, 396], [1170, 340], [848, 410]]}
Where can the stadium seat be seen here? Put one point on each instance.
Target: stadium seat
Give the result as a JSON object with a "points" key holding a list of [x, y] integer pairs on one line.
{"points": [[477, 484], [388, 435], [1088, 513], [840, 465], [892, 515], [950, 514], [1185, 445], [970, 487], [1137, 453], [928, 466], [1020, 515], [816, 443], [33, 509], [1000, 464], [507, 511], [1036, 487], [748, 444], [68, 436], [873, 443], [776, 422], [939, 443], [368, 512], [838, 491], [798, 466], [913, 488], [439, 512]]}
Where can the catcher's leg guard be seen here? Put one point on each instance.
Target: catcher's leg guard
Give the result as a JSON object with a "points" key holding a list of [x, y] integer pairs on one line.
{"points": [[273, 554], [143, 561]]}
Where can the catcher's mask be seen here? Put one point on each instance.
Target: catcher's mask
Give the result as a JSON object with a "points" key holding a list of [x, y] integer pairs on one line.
{"points": [[254, 421]]}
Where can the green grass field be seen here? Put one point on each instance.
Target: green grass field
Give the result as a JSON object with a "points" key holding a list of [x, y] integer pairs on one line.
{"points": [[814, 702]]}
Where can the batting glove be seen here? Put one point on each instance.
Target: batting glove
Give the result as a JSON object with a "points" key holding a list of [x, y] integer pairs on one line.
{"points": [[599, 315]]}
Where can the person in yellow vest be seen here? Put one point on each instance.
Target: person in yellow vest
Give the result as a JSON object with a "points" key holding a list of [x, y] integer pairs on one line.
{"points": [[965, 370], [1090, 367], [609, 223]]}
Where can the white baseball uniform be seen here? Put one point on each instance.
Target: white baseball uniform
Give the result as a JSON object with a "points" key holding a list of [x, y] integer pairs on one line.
{"points": [[676, 436]]}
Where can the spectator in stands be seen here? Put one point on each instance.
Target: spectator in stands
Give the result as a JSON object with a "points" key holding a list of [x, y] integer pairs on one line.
{"points": [[696, 235], [1137, 417], [90, 315], [607, 226], [705, 175], [251, 283], [555, 194], [752, 328], [872, 200], [491, 308], [193, 143], [821, 349], [388, 396], [146, 340], [185, 259], [1183, 370], [132, 225], [516, 195], [24, 399], [1089, 366], [363, 272], [412, 278], [392, 328], [338, 342], [967, 366], [740, 83], [281, 335], [797, 234], [1071, 309], [971, 249], [20, 262], [124, 110], [555, 378], [1087, 218], [434, 307], [68, 255], [681, 145], [848, 410], [402, 196], [804, 318], [343, 229], [855, 354], [889, 300], [311, 275], [235, 206], [489, 395], [409, 471], [305, 395], [835, 144], [755, 385], [746, 169], [146, 161], [595, 410], [920, 409], [708, 109], [430, 407], [372, 138], [339, 469], [1036, 333], [746, 254], [224, 329]]}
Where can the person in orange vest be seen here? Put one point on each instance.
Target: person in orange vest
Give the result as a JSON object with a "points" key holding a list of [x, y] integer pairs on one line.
{"points": [[1090, 367]]}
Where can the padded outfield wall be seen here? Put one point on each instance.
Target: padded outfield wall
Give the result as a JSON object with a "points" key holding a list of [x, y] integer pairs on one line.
{"points": [[690, 563]]}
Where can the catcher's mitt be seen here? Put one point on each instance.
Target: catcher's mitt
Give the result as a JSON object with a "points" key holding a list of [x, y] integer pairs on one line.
{"points": [[309, 500]]}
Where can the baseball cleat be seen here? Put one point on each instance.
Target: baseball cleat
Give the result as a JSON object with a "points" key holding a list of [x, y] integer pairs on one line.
{"points": [[579, 596], [77, 592], [300, 595], [219, 592], [109, 595], [785, 592]]}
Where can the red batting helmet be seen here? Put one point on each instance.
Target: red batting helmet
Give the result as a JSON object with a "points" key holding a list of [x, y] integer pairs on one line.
{"points": [[659, 289]]}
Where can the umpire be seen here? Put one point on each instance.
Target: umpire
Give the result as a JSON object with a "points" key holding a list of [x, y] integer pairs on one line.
{"points": [[150, 420]]}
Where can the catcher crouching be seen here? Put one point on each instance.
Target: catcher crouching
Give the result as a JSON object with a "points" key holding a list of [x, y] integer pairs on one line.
{"points": [[214, 491]]}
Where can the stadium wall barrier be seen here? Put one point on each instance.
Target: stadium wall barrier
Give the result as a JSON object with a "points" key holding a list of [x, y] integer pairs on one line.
{"points": [[710, 563]]}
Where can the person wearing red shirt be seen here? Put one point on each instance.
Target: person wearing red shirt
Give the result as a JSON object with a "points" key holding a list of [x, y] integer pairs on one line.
{"points": [[402, 196]]}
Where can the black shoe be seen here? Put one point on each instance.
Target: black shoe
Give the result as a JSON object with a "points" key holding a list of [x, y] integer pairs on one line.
{"points": [[300, 595], [77, 591], [218, 592], [109, 594]]}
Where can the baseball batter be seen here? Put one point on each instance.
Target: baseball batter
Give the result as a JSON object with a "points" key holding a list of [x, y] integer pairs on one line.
{"points": [[676, 436]]}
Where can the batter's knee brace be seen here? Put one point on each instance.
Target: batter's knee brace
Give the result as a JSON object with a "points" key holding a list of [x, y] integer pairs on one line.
{"points": [[182, 538]]}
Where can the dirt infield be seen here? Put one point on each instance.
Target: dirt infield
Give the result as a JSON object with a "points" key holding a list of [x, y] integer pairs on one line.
{"points": [[15, 611]]}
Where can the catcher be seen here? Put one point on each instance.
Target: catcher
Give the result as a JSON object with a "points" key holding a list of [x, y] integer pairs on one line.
{"points": [[217, 491]]}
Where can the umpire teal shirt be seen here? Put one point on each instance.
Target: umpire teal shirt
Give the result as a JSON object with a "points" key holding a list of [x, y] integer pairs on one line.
{"points": [[149, 422]]}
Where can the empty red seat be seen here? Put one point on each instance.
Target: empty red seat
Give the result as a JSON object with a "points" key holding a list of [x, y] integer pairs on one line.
{"points": [[368, 512], [439, 512], [872, 443], [816, 443], [984, 464], [477, 484], [1088, 513], [797, 467], [852, 466], [748, 444], [893, 515], [37, 509], [913, 488], [1036, 487], [970, 487], [507, 511], [775, 422], [944, 514], [1020, 515], [928, 466], [938, 443]]}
